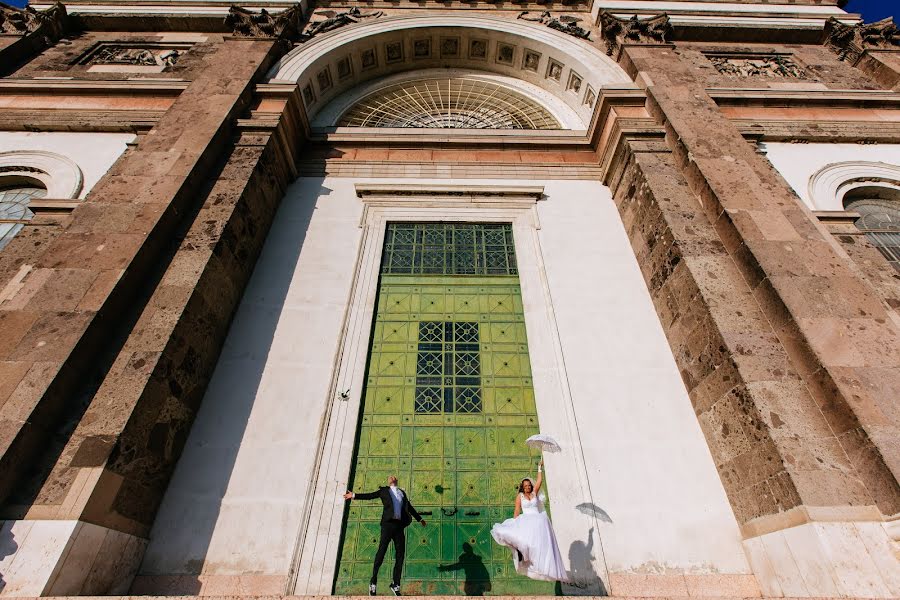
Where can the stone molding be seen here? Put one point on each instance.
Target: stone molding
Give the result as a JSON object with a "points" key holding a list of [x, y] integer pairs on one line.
{"points": [[58, 173], [265, 25], [828, 185], [618, 32], [849, 42]]}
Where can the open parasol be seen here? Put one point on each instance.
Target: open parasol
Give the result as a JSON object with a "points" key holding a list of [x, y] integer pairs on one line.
{"points": [[543, 442]]}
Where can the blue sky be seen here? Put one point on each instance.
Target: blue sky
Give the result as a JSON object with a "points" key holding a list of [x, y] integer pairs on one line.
{"points": [[874, 10], [871, 10]]}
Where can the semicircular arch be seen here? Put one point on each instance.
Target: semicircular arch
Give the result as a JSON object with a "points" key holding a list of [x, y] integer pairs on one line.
{"points": [[58, 174], [329, 65], [829, 185]]}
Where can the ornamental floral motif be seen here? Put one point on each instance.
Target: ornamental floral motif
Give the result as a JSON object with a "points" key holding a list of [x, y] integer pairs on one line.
{"points": [[773, 65]]}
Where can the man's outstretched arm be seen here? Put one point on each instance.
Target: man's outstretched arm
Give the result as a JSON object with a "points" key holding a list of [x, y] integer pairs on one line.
{"points": [[415, 514], [363, 496]]}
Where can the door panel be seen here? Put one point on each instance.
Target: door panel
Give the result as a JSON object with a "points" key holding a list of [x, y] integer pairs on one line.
{"points": [[447, 407]]}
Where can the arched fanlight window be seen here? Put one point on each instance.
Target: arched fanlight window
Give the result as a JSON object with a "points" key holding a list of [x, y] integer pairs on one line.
{"points": [[15, 194], [878, 207]]}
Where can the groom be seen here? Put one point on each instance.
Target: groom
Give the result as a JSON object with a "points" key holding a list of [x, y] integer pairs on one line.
{"points": [[398, 513]]}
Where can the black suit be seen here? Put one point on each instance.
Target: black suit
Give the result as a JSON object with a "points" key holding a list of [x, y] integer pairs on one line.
{"points": [[391, 529]]}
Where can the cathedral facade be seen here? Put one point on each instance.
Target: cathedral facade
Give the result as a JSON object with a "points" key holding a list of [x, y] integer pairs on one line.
{"points": [[252, 257]]}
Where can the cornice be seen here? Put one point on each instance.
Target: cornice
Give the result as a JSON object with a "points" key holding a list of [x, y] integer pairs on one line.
{"points": [[74, 86], [805, 97]]}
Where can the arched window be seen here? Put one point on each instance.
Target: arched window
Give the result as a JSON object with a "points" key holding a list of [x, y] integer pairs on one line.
{"points": [[878, 207], [14, 198]]}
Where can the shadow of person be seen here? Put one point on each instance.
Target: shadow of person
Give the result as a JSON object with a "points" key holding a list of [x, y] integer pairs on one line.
{"points": [[8, 545], [478, 580], [584, 579]]}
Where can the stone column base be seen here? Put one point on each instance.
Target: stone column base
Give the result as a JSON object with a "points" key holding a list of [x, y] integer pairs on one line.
{"points": [[832, 559], [66, 558]]}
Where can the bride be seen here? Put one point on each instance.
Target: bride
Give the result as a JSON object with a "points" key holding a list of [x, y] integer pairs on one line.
{"points": [[530, 535]]}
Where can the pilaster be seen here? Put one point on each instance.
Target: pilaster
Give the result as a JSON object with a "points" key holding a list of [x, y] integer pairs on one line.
{"points": [[167, 253], [790, 358]]}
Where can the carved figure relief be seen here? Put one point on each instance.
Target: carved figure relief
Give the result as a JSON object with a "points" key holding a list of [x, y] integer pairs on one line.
{"points": [[393, 51], [129, 55], [245, 23], [449, 47], [574, 82], [616, 31], [531, 60], [334, 20], [850, 41], [477, 48], [554, 70], [589, 97], [422, 48], [344, 68], [505, 53], [774, 65], [27, 20], [565, 23], [368, 59]]}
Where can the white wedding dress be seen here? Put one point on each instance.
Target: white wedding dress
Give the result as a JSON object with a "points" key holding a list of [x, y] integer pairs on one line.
{"points": [[531, 534]]}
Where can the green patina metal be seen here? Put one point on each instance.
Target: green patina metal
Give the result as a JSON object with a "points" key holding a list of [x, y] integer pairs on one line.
{"points": [[447, 407]]}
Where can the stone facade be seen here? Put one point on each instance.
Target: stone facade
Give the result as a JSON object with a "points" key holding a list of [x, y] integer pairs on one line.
{"points": [[770, 318]]}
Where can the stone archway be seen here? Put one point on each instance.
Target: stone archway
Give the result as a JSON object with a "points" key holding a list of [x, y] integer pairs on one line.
{"points": [[569, 69]]}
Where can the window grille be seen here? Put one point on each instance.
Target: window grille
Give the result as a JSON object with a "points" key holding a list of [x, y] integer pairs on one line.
{"points": [[449, 249], [454, 103], [880, 220], [448, 368], [14, 211]]}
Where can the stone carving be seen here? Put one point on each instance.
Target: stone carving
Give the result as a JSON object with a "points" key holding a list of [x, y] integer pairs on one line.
{"points": [[245, 23], [334, 20], [27, 20], [774, 65], [565, 23], [616, 31], [850, 41], [125, 55]]}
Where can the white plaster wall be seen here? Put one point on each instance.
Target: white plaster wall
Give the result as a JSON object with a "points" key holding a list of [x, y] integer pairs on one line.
{"points": [[236, 499], [648, 463], [94, 153], [797, 163]]}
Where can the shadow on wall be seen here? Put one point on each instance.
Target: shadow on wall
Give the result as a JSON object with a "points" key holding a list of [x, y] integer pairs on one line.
{"points": [[585, 581], [185, 524], [8, 546], [478, 580]]}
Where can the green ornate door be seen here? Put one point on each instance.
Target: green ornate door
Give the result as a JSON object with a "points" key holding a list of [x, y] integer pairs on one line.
{"points": [[447, 407]]}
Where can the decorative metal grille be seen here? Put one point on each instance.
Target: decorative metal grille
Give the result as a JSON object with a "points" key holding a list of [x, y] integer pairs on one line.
{"points": [[880, 221], [455, 103], [448, 368], [14, 211], [449, 249]]}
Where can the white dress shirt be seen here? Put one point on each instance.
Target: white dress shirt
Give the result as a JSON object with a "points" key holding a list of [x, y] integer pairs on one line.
{"points": [[397, 497]]}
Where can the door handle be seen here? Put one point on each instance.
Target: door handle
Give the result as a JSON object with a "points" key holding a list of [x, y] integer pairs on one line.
{"points": [[425, 512], [473, 513], [449, 512]]}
